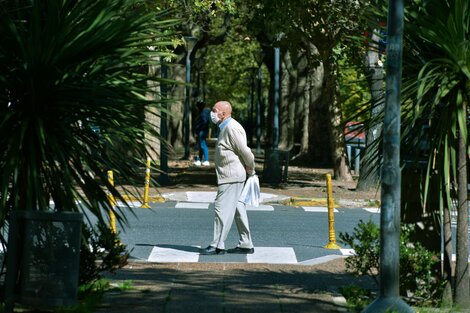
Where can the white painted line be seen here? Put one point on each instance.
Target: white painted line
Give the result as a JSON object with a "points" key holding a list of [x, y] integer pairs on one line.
{"points": [[261, 207], [340, 301], [169, 255], [272, 255], [323, 259], [265, 196], [201, 196], [132, 204], [372, 210], [192, 205], [51, 202], [320, 209], [347, 252]]}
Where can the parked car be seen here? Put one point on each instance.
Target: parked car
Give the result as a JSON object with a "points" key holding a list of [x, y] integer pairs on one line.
{"points": [[354, 133]]}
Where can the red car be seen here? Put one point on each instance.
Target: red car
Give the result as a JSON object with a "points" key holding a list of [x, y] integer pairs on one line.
{"points": [[354, 133]]}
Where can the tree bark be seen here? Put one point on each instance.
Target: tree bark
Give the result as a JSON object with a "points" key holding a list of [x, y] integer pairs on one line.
{"points": [[462, 280], [331, 100], [447, 273], [285, 104], [302, 108], [319, 153], [152, 116], [175, 127]]}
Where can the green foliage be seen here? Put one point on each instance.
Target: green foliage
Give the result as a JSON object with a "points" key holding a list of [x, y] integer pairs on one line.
{"points": [[90, 295], [62, 78], [365, 241], [356, 297], [229, 69], [354, 90], [124, 285], [419, 275], [101, 252]]}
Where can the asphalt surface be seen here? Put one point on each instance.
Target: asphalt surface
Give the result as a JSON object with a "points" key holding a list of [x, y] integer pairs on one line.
{"points": [[175, 231]]}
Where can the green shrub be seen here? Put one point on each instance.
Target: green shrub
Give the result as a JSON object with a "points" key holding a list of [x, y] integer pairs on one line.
{"points": [[358, 297], [419, 271], [101, 251]]}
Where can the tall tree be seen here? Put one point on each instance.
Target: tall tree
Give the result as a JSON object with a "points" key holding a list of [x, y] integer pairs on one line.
{"points": [[324, 25]]}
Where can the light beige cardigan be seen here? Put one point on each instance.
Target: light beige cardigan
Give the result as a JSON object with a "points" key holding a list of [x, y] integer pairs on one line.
{"points": [[232, 154]]}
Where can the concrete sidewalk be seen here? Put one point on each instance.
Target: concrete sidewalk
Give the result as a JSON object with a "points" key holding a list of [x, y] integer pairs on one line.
{"points": [[229, 287]]}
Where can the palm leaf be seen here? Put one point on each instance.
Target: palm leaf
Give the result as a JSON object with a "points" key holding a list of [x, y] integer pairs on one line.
{"points": [[67, 69]]}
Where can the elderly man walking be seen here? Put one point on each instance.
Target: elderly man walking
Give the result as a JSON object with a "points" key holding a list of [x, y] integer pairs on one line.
{"points": [[233, 160]]}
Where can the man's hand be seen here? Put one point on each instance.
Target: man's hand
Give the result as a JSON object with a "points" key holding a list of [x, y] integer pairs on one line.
{"points": [[249, 171]]}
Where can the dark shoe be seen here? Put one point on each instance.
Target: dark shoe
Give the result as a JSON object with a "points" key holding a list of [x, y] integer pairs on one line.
{"points": [[212, 251], [239, 250]]}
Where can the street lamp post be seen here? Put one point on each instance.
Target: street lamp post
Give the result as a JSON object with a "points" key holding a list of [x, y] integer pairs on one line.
{"points": [[251, 107], [389, 292], [272, 171], [276, 98], [163, 127], [259, 57], [190, 42]]}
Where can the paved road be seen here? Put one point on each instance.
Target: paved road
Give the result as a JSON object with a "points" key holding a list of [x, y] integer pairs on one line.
{"points": [[175, 230]]}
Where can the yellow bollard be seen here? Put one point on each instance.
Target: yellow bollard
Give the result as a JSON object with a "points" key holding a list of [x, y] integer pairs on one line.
{"points": [[145, 204], [331, 216], [112, 202]]}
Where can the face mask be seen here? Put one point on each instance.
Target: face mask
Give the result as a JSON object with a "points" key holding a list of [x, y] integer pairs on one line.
{"points": [[214, 118]]}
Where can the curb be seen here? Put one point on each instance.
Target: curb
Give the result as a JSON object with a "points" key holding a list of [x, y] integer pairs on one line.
{"points": [[271, 199]]}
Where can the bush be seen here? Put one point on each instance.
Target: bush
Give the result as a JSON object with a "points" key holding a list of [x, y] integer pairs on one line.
{"points": [[101, 251], [419, 271]]}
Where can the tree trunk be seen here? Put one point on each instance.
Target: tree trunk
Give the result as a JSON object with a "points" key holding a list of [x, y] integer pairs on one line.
{"points": [[331, 100], [447, 272], [318, 140], [462, 280], [152, 116], [175, 127], [302, 101], [284, 103]]}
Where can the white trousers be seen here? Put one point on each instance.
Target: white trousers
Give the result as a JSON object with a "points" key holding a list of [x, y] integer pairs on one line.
{"points": [[228, 207]]}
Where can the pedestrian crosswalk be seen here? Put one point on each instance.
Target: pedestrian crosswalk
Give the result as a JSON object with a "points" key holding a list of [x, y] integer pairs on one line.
{"points": [[261, 207], [266, 255]]}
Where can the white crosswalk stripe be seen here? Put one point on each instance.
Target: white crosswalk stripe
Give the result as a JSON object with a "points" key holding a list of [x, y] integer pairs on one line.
{"points": [[372, 210], [261, 207], [318, 209], [170, 255], [272, 255], [132, 204], [194, 196], [192, 205], [347, 251]]}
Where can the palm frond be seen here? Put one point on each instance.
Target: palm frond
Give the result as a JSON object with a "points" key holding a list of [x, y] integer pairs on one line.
{"points": [[74, 92]]}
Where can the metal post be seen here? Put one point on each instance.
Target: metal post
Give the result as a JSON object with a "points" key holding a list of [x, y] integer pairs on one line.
{"points": [[258, 114], [357, 159], [187, 107], [145, 203], [112, 203], [252, 105], [331, 216], [348, 152], [389, 296], [163, 178], [276, 98]]}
